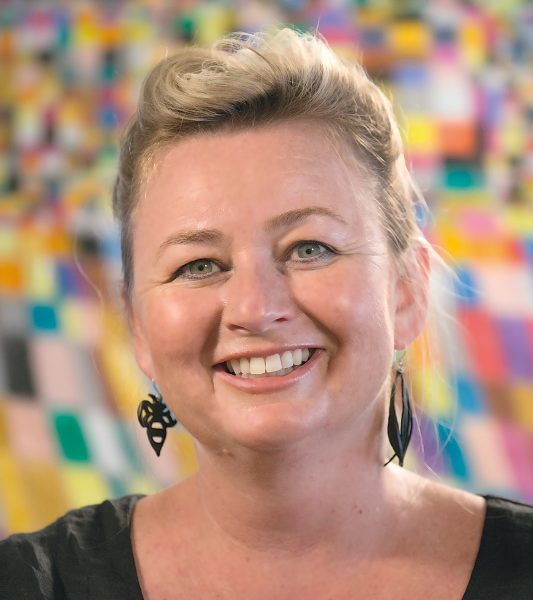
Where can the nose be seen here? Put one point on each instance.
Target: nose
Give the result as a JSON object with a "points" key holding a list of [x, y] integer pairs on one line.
{"points": [[257, 297]]}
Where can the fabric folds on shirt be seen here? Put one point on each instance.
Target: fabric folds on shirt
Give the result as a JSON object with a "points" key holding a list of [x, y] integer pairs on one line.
{"points": [[84, 555]]}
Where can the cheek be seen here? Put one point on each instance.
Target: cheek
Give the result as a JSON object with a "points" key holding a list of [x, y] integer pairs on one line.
{"points": [[351, 301], [177, 325], [354, 308]]}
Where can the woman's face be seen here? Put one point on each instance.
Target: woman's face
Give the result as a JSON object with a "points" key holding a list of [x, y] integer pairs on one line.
{"points": [[253, 244]]}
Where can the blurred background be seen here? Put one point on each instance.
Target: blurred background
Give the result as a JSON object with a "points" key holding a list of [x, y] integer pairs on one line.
{"points": [[461, 76]]}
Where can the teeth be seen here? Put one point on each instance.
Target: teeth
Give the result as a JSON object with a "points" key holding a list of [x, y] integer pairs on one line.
{"points": [[273, 365], [257, 365], [297, 356], [236, 365], [275, 374], [286, 359]]}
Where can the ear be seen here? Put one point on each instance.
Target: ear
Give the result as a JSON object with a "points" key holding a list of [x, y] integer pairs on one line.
{"points": [[141, 348], [412, 289]]}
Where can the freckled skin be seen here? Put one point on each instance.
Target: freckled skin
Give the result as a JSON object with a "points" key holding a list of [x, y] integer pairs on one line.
{"points": [[255, 295]]}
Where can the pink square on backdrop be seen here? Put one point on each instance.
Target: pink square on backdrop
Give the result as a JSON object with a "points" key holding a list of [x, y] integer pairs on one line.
{"points": [[29, 432], [54, 370]]}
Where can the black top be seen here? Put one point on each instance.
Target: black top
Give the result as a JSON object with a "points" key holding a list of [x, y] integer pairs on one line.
{"points": [[87, 555], [84, 555]]}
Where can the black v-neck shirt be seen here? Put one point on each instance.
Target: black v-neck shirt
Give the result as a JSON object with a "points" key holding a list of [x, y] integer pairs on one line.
{"points": [[87, 555]]}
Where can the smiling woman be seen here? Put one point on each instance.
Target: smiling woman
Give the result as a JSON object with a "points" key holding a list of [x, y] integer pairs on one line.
{"points": [[259, 298], [273, 268]]}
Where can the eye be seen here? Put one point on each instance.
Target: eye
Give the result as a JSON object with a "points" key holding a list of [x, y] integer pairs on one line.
{"points": [[310, 250], [196, 269]]}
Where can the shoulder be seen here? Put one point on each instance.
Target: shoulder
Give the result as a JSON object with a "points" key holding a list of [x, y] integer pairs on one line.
{"points": [[88, 526], [68, 551], [504, 564], [509, 526], [484, 541]]}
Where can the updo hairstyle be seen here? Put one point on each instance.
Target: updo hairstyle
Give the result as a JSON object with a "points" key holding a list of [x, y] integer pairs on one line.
{"points": [[250, 80]]}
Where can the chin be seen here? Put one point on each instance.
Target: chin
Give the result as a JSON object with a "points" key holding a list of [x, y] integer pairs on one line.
{"points": [[273, 425]]}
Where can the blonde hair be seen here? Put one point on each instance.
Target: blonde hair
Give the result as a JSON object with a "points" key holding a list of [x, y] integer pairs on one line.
{"points": [[249, 80]]}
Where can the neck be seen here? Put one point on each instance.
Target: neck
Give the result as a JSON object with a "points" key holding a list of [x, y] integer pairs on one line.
{"points": [[332, 493]]}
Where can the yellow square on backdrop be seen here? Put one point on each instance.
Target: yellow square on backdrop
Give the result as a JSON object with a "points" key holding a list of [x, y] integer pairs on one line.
{"points": [[41, 278], [434, 394], [122, 374], [13, 499], [44, 485], [422, 134], [473, 44], [410, 39], [452, 241], [519, 220], [84, 485], [522, 398], [10, 242]]}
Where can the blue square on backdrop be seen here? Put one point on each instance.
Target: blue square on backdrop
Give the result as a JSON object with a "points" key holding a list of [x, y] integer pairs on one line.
{"points": [[469, 395], [452, 452], [445, 35], [67, 279], [410, 73], [372, 37], [514, 340], [108, 117], [465, 287], [44, 317], [528, 246], [110, 247]]}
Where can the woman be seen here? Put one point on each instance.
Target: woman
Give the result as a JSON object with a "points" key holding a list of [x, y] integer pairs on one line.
{"points": [[272, 270]]}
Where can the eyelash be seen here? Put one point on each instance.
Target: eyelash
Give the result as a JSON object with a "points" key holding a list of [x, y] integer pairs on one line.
{"points": [[178, 274]]}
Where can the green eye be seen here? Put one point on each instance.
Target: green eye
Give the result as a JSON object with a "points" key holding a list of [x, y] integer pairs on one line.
{"points": [[201, 266], [308, 251], [196, 269]]}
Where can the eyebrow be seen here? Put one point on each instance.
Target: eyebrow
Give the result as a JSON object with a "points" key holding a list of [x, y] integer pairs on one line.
{"points": [[282, 221], [293, 217]]}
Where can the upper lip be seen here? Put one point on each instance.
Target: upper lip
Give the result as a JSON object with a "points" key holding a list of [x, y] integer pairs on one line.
{"points": [[264, 352]]}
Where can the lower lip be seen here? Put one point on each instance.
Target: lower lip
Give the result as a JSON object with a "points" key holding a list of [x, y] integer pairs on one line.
{"points": [[264, 385]]}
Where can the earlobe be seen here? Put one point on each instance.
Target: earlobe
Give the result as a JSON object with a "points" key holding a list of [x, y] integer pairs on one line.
{"points": [[412, 288]]}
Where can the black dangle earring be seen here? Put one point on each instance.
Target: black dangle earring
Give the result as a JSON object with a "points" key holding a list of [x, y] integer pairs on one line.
{"points": [[399, 435], [155, 416]]}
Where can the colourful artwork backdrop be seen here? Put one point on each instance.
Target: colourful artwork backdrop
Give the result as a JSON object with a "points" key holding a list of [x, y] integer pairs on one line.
{"points": [[462, 81]]}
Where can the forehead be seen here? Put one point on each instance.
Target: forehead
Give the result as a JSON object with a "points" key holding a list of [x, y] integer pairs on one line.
{"points": [[253, 174]]}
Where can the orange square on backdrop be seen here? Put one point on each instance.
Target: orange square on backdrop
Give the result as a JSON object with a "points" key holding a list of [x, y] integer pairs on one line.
{"points": [[490, 249], [11, 279], [58, 242], [457, 139]]}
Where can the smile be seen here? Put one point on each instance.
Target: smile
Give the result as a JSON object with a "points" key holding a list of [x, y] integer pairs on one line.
{"points": [[270, 381], [275, 365]]}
